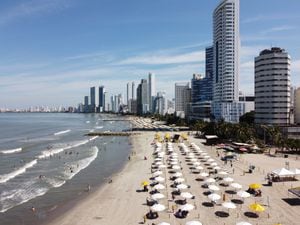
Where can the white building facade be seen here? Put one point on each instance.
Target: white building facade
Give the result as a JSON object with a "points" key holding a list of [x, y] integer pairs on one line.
{"points": [[226, 48], [272, 87]]}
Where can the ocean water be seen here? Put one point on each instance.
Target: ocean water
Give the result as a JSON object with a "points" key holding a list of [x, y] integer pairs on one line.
{"points": [[47, 161]]}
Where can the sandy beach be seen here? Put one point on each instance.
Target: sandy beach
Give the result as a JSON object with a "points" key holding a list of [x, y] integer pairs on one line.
{"points": [[119, 202]]}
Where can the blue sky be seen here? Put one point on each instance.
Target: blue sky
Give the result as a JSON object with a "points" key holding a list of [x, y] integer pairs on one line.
{"points": [[52, 51]]}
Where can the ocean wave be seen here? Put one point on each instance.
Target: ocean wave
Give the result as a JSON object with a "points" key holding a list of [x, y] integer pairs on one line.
{"points": [[76, 167], [52, 152], [62, 132], [55, 182], [10, 151], [98, 127], [6, 177], [12, 198], [88, 121]]}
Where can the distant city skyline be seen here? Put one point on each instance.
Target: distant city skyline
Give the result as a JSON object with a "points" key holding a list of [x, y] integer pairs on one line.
{"points": [[53, 51]]}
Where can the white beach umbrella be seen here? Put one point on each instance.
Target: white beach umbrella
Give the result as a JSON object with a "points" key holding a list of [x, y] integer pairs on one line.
{"points": [[179, 180], [217, 168], [158, 208], [173, 163], [176, 167], [243, 194], [214, 197], [163, 223], [206, 157], [196, 163], [213, 188], [193, 223], [194, 160], [157, 159], [174, 154], [177, 174], [159, 179], [187, 207], [182, 186], [162, 166], [204, 153], [159, 187], [158, 163], [243, 223], [157, 196], [229, 205], [157, 173], [161, 154], [228, 179], [186, 195], [222, 173], [214, 164], [236, 185], [199, 168], [210, 160], [204, 174], [210, 180], [174, 160]]}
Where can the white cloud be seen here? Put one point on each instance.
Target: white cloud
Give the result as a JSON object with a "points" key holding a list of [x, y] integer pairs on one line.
{"points": [[160, 59], [30, 8], [278, 29]]}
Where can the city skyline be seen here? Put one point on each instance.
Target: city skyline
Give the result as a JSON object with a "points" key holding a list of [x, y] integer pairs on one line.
{"points": [[41, 59]]}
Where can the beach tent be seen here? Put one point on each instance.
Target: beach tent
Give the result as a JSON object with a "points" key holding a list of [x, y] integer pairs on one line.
{"points": [[282, 172], [193, 223], [295, 171]]}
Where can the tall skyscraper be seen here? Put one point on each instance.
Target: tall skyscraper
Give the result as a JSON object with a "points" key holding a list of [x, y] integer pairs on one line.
{"points": [[226, 47], [142, 97], [86, 104], [101, 98], [151, 91], [133, 91], [297, 105], [182, 99], [272, 87], [209, 62], [107, 103], [93, 99], [127, 97]]}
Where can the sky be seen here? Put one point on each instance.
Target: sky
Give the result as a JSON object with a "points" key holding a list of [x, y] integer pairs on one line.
{"points": [[52, 51]]}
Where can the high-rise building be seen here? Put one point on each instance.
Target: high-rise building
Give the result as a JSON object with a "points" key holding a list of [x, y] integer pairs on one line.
{"points": [[151, 91], [272, 87], [93, 99], [101, 98], [127, 93], [107, 103], [160, 103], [226, 46], [182, 99], [297, 105], [209, 61], [142, 97], [133, 91], [86, 104]]}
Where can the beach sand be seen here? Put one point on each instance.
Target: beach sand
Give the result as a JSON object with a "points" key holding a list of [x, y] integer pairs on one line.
{"points": [[119, 203]]}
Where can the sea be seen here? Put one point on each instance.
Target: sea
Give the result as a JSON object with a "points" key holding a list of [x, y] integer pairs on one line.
{"points": [[48, 162]]}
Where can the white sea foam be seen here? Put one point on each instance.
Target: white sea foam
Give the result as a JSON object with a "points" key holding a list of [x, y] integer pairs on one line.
{"points": [[81, 164], [12, 198], [88, 121], [55, 182], [93, 138], [10, 151], [6, 177], [98, 127], [62, 132]]}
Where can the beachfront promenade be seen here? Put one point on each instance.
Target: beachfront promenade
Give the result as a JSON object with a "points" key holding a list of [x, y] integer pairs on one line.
{"points": [[122, 202]]}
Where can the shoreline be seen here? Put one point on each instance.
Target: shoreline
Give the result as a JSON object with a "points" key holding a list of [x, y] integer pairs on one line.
{"points": [[67, 213]]}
